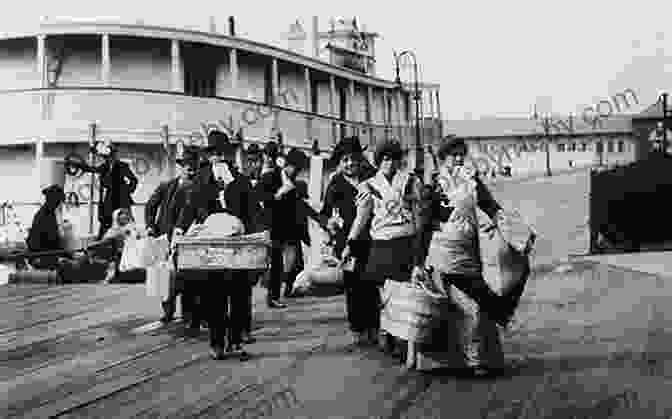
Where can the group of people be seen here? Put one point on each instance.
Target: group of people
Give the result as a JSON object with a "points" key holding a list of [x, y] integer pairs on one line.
{"points": [[390, 226], [265, 195]]}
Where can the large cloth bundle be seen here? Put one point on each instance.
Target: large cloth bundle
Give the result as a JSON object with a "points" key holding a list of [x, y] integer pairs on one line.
{"points": [[324, 276], [218, 225], [140, 253], [413, 312]]}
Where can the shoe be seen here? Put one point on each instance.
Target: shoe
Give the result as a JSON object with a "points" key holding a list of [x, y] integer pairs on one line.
{"points": [[218, 354], [247, 338], [275, 304], [169, 312]]}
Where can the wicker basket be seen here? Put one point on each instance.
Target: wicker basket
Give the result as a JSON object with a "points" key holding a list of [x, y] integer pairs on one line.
{"points": [[247, 252], [410, 312]]}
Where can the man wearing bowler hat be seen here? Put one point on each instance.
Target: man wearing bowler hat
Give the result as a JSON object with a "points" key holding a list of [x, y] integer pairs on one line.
{"points": [[164, 214], [223, 188]]}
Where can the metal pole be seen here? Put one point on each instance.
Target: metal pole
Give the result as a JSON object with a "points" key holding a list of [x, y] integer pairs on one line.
{"points": [[92, 141], [548, 146], [419, 160], [664, 123]]}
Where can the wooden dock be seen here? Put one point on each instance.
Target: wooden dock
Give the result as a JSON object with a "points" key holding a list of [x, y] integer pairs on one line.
{"points": [[97, 351]]}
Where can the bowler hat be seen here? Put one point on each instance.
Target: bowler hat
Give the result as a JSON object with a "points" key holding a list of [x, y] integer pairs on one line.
{"points": [[189, 154], [54, 191], [297, 158], [218, 143], [348, 145]]}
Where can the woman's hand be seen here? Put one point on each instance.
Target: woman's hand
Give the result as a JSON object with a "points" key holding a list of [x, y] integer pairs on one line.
{"points": [[418, 274], [346, 254]]}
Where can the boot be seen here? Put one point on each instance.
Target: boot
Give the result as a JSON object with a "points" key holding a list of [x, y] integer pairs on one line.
{"points": [[168, 311]]}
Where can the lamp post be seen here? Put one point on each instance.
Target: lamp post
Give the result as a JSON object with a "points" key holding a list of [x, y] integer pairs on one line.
{"points": [[546, 125], [419, 158], [662, 126], [92, 146]]}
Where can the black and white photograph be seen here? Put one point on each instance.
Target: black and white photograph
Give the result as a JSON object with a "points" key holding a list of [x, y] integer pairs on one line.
{"points": [[356, 210]]}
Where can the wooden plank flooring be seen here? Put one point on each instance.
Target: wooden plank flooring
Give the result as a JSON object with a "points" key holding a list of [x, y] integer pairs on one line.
{"points": [[584, 342]]}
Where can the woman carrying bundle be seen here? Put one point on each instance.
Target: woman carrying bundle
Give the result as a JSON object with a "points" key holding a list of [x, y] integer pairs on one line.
{"points": [[389, 206], [454, 255]]}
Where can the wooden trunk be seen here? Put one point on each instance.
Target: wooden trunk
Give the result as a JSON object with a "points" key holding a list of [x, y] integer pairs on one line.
{"points": [[410, 313], [248, 252]]}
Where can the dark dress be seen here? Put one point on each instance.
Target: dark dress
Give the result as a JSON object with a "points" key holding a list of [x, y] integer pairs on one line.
{"points": [[43, 237], [362, 297]]}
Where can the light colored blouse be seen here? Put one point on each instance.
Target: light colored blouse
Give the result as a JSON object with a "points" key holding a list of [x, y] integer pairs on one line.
{"points": [[391, 205]]}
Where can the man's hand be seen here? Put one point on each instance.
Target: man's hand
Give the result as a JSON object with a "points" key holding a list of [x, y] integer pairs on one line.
{"points": [[346, 254]]}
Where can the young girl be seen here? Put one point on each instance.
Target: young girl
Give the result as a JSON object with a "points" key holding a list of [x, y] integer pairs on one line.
{"points": [[123, 227]]}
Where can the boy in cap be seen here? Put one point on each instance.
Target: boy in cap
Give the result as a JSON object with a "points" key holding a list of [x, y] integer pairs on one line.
{"points": [[284, 206]]}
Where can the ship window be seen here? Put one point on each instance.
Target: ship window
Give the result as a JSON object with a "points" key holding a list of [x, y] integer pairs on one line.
{"points": [[314, 95], [573, 147], [621, 146], [389, 110], [584, 146], [268, 85], [610, 146], [561, 147], [200, 71]]}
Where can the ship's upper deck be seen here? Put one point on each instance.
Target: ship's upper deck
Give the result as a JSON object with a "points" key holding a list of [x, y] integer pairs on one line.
{"points": [[112, 28]]}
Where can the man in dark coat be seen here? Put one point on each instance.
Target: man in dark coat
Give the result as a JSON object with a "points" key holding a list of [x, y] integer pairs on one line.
{"points": [[118, 183], [165, 214], [223, 188]]}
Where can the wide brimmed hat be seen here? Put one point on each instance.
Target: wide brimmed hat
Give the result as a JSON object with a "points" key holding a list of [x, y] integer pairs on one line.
{"points": [[348, 145], [297, 158], [448, 145], [219, 143], [391, 148]]}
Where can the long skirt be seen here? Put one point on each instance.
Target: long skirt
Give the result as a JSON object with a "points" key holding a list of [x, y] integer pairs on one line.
{"points": [[472, 338], [390, 259]]}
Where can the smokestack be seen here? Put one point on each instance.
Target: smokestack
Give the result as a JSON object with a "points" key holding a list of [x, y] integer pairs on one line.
{"points": [[213, 25], [316, 37], [232, 26]]}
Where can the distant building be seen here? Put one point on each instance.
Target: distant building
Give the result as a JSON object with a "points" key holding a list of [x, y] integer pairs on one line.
{"points": [[519, 143]]}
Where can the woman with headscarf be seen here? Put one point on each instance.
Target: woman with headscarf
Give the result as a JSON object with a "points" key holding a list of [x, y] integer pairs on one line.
{"points": [[389, 206], [454, 255], [44, 234]]}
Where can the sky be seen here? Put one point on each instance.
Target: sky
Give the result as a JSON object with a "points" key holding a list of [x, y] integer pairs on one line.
{"points": [[491, 58]]}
